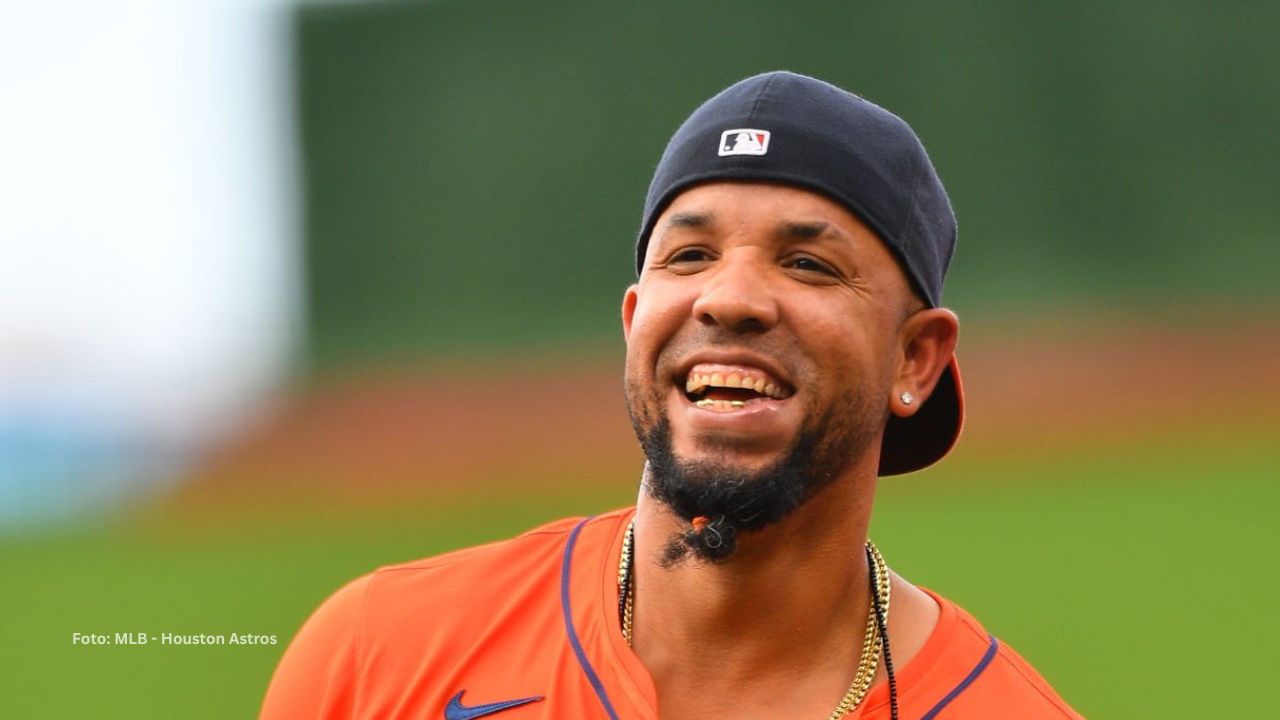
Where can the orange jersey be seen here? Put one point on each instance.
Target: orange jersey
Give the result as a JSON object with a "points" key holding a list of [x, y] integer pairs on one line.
{"points": [[528, 629]]}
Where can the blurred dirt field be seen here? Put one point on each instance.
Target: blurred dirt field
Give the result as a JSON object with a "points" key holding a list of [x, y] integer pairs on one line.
{"points": [[459, 424]]}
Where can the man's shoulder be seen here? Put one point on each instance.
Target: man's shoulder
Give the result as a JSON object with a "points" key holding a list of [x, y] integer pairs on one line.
{"points": [[389, 636], [481, 581], [478, 558], [977, 675]]}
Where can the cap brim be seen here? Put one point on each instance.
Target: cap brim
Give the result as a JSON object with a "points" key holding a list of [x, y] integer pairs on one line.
{"points": [[918, 441]]}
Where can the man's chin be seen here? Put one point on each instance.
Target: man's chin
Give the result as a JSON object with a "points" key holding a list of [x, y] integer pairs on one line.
{"points": [[712, 467], [734, 454], [722, 486]]}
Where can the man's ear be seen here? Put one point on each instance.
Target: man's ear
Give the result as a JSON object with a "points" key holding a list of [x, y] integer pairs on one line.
{"points": [[628, 310], [928, 342]]}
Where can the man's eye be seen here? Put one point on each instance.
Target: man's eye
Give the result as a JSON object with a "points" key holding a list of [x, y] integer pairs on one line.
{"points": [[808, 264], [689, 255]]}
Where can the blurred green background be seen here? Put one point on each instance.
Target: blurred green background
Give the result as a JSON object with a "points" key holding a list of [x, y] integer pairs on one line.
{"points": [[473, 177], [475, 169], [1138, 581]]}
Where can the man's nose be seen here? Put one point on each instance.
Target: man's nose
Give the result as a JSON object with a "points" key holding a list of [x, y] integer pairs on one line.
{"points": [[738, 295]]}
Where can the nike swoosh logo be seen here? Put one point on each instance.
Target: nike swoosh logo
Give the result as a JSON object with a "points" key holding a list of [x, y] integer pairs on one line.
{"points": [[455, 710]]}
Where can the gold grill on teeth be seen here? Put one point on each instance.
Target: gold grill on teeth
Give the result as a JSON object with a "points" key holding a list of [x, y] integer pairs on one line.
{"points": [[708, 402]]}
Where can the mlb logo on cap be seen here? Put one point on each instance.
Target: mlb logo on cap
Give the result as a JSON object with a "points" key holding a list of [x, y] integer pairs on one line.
{"points": [[744, 141]]}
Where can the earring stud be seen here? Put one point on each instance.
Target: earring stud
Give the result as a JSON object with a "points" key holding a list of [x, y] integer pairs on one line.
{"points": [[907, 398]]}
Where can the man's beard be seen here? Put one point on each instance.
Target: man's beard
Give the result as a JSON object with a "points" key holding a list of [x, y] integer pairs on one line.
{"points": [[720, 501]]}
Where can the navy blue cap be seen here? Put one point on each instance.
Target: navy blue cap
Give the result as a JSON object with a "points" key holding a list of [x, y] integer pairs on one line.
{"points": [[796, 130]]}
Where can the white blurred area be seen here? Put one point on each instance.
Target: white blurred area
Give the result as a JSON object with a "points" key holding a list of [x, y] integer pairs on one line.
{"points": [[149, 279]]}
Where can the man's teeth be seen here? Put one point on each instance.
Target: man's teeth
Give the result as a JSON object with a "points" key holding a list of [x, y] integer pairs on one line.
{"points": [[696, 382], [720, 404]]}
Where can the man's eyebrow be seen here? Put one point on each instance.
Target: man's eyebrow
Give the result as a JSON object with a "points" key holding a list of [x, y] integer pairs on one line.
{"points": [[804, 230], [688, 220]]}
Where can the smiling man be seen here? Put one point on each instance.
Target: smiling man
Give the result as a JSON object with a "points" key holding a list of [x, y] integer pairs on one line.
{"points": [[786, 346]]}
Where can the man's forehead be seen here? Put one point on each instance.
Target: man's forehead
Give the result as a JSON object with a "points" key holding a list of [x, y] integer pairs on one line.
{"points": [[790, 213], [725, 201], [799, 229]]}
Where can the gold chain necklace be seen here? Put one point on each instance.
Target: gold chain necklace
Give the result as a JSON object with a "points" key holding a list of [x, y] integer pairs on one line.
{"points": [[868, 661]]}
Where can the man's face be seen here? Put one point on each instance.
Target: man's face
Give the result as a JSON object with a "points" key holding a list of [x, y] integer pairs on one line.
{"points": [[764, 324]]}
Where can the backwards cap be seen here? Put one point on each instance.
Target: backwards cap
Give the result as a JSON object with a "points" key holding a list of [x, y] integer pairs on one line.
{"points": [[791, 129]]}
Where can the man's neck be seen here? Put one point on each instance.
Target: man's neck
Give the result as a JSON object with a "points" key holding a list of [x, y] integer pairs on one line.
{"points": [[781, 621]]}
